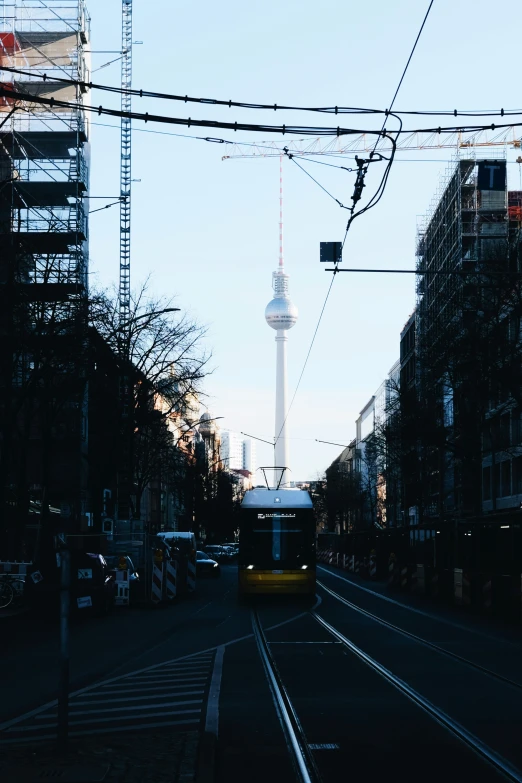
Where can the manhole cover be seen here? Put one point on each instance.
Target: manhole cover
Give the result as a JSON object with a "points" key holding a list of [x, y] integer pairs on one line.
{"points": [[79, 773]]}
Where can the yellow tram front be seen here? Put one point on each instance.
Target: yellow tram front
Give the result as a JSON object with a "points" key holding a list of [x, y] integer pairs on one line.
{"points": [[277, 542]]}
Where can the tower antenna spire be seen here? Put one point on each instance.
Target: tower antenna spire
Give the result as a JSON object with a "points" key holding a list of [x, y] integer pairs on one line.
{"points": [[281, 315], [281, 262]]}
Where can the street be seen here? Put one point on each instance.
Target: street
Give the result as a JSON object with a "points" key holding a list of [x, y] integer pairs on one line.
{"points": [[446, 695]]}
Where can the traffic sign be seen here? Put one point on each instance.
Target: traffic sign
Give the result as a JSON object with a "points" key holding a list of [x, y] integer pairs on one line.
{"points": [[331, 252]]}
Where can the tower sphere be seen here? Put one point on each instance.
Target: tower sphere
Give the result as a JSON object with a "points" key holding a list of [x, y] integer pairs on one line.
{"points": [[281, 313]]}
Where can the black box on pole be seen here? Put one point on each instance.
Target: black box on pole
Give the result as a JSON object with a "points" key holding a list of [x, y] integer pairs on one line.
{"points": [[331, 252]]}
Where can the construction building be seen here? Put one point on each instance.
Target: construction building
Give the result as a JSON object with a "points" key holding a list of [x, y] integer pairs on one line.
{"points": [[464, 294], [44, 184]]}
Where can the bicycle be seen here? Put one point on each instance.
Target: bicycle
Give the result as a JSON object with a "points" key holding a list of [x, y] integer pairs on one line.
{"points": [[11, 588]]}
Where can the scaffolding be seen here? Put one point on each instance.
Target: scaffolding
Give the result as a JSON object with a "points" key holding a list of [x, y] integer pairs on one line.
{"points": [[44, 184], [462, 244], [465, 230]]}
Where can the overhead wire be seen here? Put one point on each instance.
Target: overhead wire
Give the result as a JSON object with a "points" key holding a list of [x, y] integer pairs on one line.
{"points": [[375, 199], [141, 93], [283, 130]]}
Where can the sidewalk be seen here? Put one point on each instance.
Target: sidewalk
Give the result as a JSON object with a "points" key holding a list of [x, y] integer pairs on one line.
{"points": [[164, 756]]}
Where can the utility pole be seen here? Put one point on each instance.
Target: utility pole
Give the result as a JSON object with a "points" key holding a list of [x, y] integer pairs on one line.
{"points": [[63, 696]]}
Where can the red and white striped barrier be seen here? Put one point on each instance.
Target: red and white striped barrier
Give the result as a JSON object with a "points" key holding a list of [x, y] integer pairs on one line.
{"points": [[170, 579], [191, 576], [13, 567], [156, 594]]}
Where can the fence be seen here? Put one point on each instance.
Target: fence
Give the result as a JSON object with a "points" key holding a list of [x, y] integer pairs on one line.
{"points": [[483, 590]]}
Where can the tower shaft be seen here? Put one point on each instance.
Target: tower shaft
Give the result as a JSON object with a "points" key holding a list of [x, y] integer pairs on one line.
{"points": [[281, 442]]}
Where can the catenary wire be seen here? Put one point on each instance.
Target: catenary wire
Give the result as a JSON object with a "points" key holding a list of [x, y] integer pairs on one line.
{"points": [[376, 198], [140, 93], [284, 129]]}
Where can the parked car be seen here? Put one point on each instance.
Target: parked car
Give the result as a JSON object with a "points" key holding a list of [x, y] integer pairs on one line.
{"points": [[91, 588], [217, 552], [206, 566]]}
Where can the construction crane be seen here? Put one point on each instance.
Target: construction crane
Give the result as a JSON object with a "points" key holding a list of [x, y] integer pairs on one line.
{"points": [[125, 166], [124, 470], [364, 143]]}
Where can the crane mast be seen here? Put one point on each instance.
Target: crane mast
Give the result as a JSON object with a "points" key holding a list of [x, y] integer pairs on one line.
{"points": [[125, 169], [125, 461]]}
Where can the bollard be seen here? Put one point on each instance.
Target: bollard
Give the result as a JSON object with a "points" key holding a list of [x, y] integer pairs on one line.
{"points": [[404, 577], [434, 585], [391, 569], [351, 567], [457, 586]]}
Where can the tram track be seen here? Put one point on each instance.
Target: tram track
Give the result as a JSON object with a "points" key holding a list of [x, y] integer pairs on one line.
{"points": [[298, 746], [300, 749], [454, 656]]}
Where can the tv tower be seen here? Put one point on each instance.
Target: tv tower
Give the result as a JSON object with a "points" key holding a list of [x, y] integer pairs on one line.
{"points": [[281, 314]]}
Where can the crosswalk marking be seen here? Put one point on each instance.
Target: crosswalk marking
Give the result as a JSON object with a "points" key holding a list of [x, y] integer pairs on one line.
{"points": [[148, 698], [135, 698], [150, 688], [53, 715]]}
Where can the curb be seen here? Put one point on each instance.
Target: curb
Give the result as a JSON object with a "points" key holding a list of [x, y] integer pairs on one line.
{"points": [[206, 758]]}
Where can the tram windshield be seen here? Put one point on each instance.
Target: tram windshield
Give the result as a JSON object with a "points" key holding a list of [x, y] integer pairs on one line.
{"points": [[271, 538]]}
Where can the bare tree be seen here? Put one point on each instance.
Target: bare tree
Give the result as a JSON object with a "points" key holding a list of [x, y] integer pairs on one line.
{"points": [[167, 361]]}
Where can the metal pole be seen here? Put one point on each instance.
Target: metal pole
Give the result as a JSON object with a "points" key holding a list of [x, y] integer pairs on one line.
{"points": [[63, 696]]}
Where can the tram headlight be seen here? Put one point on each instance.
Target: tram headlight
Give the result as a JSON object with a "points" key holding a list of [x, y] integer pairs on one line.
{"points": [[250, 567], [304, 568]]}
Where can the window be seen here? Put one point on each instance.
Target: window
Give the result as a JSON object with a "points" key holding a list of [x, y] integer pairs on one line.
{"points": [[486, 483], [517, 476], [505, 478]]}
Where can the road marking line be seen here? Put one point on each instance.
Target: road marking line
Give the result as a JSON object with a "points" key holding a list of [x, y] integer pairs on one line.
{"points": [[271, 643], [110, 720], [203, 607], [137, 698], [142, 687], [212, 719], [166, 678], [108, 730], [170, 691], [193, 669], [54, 715], [324, 746], [155, 667]]}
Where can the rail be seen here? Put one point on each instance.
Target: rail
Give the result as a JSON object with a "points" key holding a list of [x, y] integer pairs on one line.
{"points": [[297, 744], [482, 750]]}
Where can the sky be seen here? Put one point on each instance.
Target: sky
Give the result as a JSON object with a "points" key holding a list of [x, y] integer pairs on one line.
{"points": [[206, 230]]}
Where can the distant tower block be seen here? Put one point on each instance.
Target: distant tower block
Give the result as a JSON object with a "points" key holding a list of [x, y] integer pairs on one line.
{"points": [[281, 314]]}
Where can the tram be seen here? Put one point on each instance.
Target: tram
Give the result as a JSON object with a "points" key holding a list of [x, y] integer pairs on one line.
{"points": [[276, 542]]}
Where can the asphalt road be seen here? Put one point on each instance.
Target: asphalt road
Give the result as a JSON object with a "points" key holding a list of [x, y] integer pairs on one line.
{"points": [[430, 703]]}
